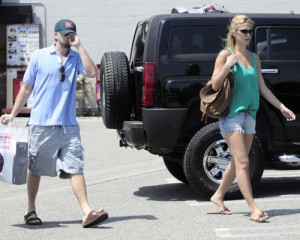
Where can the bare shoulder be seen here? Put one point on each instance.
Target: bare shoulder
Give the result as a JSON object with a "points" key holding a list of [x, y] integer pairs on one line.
{"points": [[254, 54], [223, 54], [256, 57]]}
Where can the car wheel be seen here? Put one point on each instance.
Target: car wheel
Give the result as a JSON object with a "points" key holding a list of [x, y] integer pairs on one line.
{"points": [[115, 89], [207, 156], [175, 169]]}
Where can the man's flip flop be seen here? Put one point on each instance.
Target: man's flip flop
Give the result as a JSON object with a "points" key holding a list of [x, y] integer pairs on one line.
{"points": [[224, 211], [94, 218], [31, 218]]}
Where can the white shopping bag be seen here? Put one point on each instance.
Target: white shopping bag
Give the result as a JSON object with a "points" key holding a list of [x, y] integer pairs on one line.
{"points": [[13, 154]]}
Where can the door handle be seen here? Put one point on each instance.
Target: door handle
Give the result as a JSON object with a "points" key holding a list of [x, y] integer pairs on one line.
{"points": [[139, 69], [270, 70]]}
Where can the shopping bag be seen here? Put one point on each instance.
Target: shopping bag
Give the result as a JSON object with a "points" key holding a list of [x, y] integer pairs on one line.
{"points": [[13, 154]]}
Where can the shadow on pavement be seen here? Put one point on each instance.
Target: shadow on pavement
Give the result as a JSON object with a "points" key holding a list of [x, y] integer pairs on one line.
{"points": [[275, 212], [169, 192], [126, 218], [277, 186], [48, 224], [63, 224], [269, 186]]}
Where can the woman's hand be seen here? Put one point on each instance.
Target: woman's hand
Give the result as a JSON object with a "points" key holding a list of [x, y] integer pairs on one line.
{"points": [[288, 114], [231, 60]]}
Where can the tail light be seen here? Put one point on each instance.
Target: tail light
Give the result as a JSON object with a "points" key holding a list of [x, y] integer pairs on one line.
{"points": [[148, 86]]}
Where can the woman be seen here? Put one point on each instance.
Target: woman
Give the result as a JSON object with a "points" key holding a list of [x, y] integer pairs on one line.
{"points": [[238, 126]]}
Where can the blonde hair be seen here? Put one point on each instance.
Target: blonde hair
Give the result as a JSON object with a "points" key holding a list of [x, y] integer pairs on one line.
{"points": [[239, 19]]}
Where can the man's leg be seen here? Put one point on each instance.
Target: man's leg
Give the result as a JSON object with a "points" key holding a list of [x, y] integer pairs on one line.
{"points": [[90, 217], [43, 150], [79, 189], [33, 183], [73, 150]]}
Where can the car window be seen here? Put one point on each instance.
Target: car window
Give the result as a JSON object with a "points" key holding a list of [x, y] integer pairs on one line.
{"points": [[278, 43], [139, 42], [195, 42]]}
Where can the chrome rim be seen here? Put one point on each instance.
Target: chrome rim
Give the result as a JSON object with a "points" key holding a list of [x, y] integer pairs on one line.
{"points": [[216, 159]]}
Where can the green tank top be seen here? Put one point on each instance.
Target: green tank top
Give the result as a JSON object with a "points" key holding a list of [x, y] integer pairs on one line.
{"points": [[245, 95]]}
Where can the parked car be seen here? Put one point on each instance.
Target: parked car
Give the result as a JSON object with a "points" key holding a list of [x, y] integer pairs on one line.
{"points": [[152, 98]]}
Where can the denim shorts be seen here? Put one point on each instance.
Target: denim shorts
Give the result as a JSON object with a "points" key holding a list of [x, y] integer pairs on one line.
{"points": [[242, 122], [55, 147]]}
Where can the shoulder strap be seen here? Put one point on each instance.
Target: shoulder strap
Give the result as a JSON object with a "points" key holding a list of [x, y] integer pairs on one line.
{"points": [[253, 60], [234, 67], [229, 50]]}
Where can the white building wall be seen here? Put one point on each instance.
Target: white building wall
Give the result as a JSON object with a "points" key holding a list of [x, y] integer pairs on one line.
{"points": [[108, 25]]}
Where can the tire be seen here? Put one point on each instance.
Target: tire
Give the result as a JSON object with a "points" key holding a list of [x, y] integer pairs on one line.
{"points": [[206, 157], [175, 169], [115, 89]]}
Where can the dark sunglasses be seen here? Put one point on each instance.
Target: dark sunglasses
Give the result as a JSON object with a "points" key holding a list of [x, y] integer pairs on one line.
{"points": [[246, 31], [62, 71], [1, 162]]}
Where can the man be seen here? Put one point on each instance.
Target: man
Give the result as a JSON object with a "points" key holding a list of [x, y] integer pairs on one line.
{"points": [[54, 131]]}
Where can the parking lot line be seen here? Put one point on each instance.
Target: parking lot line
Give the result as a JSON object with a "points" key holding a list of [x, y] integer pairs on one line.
{"points": [[273, 231], [270, 199], [172, 180]]}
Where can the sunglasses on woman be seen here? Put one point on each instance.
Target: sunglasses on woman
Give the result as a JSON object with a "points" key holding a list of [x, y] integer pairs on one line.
{"points": [[246, 31]]}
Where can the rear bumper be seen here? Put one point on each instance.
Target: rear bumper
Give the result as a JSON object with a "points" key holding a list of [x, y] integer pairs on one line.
{"points": [[158, 132]]}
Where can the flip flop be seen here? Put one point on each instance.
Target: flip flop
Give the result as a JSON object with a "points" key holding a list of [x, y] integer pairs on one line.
{"points": [[224, 211], [262, 218], [31, 218], [94, 218]]}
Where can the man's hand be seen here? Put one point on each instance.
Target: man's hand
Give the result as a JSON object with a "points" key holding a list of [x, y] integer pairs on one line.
{"points": [[74, 40], [6, 118]]}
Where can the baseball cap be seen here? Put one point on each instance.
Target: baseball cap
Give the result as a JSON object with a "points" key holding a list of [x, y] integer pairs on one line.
{"points": [[65, 26]]}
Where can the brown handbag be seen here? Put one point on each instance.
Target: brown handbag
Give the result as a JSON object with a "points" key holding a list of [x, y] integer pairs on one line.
{"points": [[215, 104]]}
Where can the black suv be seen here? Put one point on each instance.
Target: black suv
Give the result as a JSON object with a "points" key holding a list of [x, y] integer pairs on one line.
{"points": [[152, 99]]}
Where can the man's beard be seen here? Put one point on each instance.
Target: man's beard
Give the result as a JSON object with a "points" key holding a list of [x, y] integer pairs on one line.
{"points": [[65, 45]]}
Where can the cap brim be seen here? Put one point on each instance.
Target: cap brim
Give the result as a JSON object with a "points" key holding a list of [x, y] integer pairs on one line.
{"points": [[66, 32]]}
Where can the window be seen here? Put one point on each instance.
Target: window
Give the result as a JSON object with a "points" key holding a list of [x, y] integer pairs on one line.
{"points": [[278, 43], [139, 42], [195, 42], [262, 43]]}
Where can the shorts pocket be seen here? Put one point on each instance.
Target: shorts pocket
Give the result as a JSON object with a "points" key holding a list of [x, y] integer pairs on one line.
{"points": [[33, 160]]}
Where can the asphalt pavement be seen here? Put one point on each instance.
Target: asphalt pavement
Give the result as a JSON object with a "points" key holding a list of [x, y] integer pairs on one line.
{"points": [[144, 201]]}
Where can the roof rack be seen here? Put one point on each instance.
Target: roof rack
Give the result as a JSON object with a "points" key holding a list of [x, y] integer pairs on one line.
{"points": [[213, 8]]}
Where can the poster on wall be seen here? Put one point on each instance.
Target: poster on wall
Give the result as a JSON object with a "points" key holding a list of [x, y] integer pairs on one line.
{"points": [[22, 41]]}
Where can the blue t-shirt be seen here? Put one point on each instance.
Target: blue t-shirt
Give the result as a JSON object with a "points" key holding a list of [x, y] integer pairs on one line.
{"points": [[54, 101]]}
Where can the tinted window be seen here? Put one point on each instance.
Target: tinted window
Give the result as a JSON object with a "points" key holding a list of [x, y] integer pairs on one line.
{"points": [[278, 43], [195, 43], [139, 42], [262, 43]]}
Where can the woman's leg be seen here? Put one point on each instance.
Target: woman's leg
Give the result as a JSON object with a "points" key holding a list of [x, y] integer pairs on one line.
{"points": [[227, 179], [240, 145]]}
